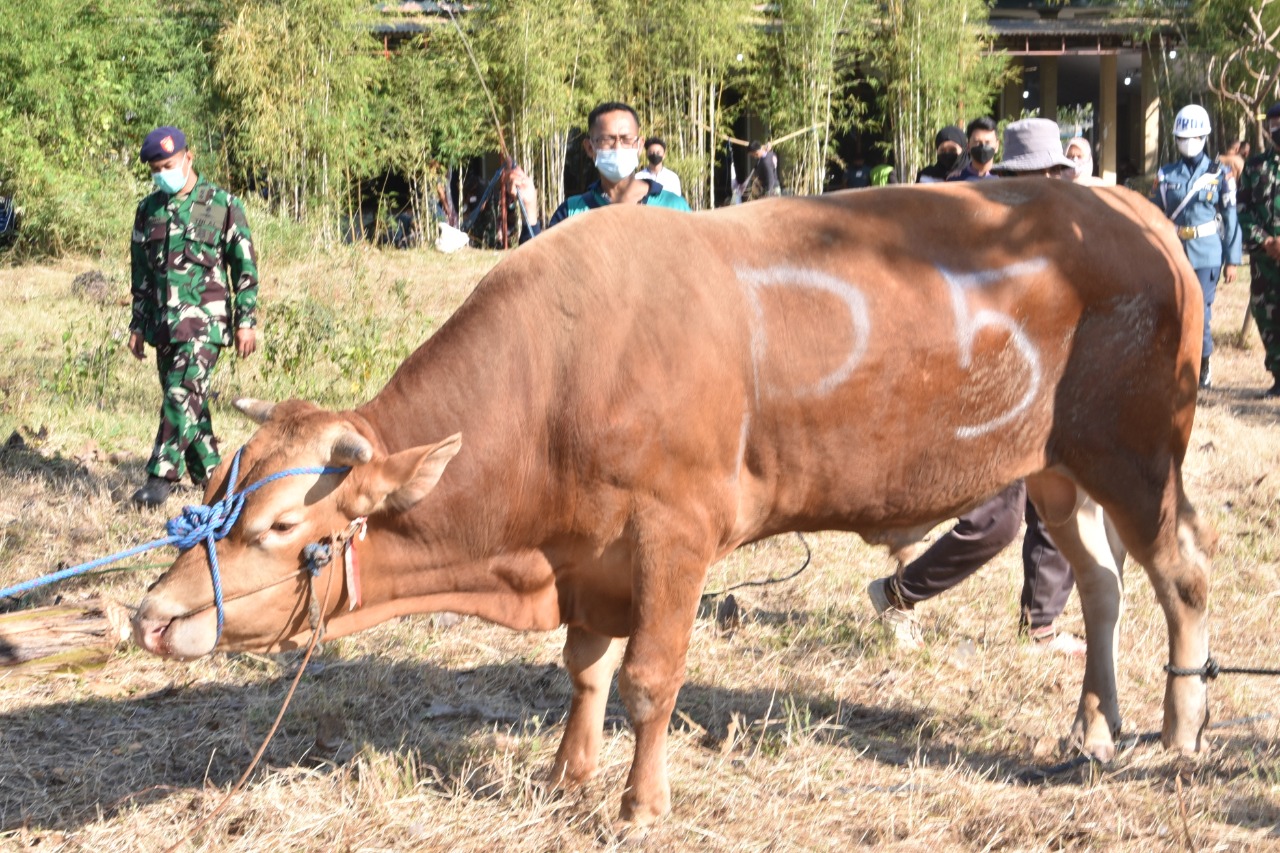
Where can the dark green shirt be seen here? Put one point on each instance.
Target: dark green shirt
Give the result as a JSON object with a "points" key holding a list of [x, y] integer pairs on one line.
{"points": [[195, 272], [1259, 197]]}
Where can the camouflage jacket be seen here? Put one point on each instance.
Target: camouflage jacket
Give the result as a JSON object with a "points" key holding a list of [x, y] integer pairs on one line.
{"points": [[1260, 200], [195, 272]]}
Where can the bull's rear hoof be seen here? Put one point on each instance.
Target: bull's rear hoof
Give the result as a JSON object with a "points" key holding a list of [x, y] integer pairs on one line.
{"points": [[1188, 747]]}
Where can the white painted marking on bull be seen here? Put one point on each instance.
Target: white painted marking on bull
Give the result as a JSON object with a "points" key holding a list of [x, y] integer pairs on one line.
{"points": [[968, 327], [807, 279], [742, 445]]}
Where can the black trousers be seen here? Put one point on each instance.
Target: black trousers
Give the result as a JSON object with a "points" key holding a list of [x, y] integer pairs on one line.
{"points": [[977, 537]]}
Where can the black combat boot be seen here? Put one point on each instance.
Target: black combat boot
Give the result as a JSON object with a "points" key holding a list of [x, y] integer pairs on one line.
{"points": [[153, 494], [1205, 380]]}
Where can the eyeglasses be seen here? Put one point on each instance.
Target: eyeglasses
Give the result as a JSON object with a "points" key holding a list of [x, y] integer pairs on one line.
{"points": [[607, 142]]}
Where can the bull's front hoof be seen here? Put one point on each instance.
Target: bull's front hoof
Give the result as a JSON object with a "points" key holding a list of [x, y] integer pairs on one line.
{"points": [[1097, 741], [640, 814], [627, 834], [567, 776]]}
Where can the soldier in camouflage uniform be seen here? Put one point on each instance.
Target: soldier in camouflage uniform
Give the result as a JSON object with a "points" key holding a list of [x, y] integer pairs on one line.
{"points": [[1260, 226], [195, 278]]}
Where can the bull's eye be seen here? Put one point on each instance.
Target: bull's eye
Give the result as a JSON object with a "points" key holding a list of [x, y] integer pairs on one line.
{"points": [[283, 527]]}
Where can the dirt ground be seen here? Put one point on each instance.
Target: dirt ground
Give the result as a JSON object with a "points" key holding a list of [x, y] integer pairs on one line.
{"points": [[803, 729]]}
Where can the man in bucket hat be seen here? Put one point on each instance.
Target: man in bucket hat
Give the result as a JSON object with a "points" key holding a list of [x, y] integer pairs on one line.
{"points": [[1032, 147], [195, 280]]}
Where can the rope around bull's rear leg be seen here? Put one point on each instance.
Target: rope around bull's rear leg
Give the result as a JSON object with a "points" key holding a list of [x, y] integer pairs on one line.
{"points": [[317, 632]]}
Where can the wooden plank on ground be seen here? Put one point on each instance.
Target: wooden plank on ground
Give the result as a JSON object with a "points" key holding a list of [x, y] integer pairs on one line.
{"points": [[62, 638]]}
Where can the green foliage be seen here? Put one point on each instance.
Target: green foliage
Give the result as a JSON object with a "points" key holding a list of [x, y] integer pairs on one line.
{"points": [[294, 75], [297, 102], [1229, 61], [806, 78], [427, 113], [90, 356], [673, 61], [937, 70], [80, 83], [543, 62], [328, 355]]}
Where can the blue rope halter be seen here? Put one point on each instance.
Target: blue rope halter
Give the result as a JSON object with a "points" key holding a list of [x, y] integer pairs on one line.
{"points": [[205, 523]]}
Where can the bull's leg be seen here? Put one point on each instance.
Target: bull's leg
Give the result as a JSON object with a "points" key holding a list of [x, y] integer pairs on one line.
{"points": [[1083, 539], [665, 603], [1179, 573], [1164, 534], [591, 660]]}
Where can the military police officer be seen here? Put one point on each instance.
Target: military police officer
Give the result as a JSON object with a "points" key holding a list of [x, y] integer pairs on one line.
{"points": [[1260, 224], [195, 279], [1200, 198]]}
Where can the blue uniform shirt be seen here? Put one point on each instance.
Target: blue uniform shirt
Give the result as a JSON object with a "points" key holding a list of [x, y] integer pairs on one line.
{"points": [[1213, 198]]}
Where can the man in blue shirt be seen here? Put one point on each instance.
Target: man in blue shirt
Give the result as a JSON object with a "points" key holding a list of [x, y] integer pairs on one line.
{"points": [[614, 144], [1200, 198]]}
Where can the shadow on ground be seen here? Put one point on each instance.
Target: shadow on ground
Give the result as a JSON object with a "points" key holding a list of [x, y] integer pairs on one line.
{"points": [[70, 763]]}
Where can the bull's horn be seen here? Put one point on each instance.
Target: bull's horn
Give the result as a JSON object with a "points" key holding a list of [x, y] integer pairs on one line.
{"points": [[350, 448], [256, 410]]}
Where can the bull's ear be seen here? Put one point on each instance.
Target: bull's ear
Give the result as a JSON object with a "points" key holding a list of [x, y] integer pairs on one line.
{"points": [[399, 481], [350, 448], [256, 410]]}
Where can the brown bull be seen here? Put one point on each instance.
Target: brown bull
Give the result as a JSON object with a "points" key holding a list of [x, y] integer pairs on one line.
{"points": [[614, 421]]}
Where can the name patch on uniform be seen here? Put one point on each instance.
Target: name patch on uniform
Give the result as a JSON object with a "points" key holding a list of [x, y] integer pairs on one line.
{"points": [[208, 215]]}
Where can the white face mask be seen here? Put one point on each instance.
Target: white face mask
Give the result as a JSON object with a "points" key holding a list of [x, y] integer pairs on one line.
{"points": [[614, 164], [1192, 147]]}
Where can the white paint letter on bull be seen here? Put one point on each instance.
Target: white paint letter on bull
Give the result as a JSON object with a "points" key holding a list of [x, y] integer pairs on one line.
{"points": [[807, 279], [968, 327]]}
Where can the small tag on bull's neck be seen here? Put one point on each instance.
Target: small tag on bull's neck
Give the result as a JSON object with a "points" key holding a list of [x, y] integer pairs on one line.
{"points": [[355, 531]]}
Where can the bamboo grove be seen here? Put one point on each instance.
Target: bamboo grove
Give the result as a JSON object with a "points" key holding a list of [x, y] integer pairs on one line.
{"points": [[306, 104]]}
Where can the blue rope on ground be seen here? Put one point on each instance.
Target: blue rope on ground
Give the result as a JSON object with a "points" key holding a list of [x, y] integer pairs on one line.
{"points": [[205, 523]]}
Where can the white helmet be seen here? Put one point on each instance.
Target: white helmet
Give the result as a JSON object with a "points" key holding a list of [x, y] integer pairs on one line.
{"points": [[1191, 121]]}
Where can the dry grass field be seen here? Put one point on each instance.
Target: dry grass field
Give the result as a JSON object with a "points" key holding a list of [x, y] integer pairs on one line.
{"points": [[801, 729]]}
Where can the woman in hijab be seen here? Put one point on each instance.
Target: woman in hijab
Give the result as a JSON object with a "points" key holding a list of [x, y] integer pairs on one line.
{"points": [[1078, 150]]}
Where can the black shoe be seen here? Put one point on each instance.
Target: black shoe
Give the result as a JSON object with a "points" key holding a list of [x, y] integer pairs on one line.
{"points": [[1205, 381], [153, 494]]}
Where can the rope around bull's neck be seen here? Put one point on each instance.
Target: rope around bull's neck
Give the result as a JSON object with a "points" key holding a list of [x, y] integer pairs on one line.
{"points": [[207, 523]]}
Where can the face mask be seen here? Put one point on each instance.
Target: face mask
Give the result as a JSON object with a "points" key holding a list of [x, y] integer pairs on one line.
{"points": [[170, 180], [983, 154], [947, 160], [615, 164], [1191, 148], [1275, 136], [654, 158]]}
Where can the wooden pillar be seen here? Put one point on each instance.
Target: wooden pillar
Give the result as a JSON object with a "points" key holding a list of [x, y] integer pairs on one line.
{"points": [[1049, 87], [1107, 119], [1150, 109], [1011, 101]]}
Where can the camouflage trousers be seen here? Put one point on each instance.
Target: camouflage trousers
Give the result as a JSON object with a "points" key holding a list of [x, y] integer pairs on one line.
{"points": [[185, 440], [1264, 303]]}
